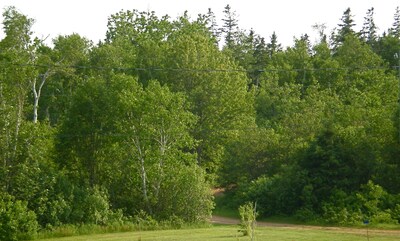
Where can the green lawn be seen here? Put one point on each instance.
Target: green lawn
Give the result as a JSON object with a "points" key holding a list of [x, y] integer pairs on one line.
{"points": [[222, 232]]}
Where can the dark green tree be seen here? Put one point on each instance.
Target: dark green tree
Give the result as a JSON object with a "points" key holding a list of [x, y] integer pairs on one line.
{"points": [[368, 32], [64, 70], [388, 46], [218, 98], [212, 25], [273, 46], [230, 28], [260, 60], [395, 29], [345, 28]]}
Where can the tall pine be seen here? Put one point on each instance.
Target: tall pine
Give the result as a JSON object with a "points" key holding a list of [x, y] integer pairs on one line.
{"points": [[230, 26], [345, 29], [368, 32]]}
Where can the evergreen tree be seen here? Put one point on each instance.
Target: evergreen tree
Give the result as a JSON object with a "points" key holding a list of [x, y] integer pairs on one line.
{"points": [[395, 30], [230, 26], [345, 29], [273, 46], [260, 56], [212, 25], [368, 32], [388, 46]]}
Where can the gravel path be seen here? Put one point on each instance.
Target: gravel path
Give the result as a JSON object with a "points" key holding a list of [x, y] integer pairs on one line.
{"points": [[232, 221]]}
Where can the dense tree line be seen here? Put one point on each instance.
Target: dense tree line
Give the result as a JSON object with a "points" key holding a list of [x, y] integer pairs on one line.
{"points": [[149, 119], [327, 137]]}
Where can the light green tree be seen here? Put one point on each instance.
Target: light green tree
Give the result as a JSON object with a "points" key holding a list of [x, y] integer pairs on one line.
{"points": [[216, 89]]}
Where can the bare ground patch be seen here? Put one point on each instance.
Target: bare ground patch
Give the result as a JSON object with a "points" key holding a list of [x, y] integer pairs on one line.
{"points": [[233, 221]]}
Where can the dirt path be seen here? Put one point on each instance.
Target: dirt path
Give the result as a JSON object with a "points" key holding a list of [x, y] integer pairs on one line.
{"points": [[232, 221]]}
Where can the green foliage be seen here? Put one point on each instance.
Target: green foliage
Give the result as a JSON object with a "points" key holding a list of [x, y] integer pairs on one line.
{"points": [[248, 215], [276, 195], [251, 156], [191, 199], [97, 208], [372, 198], [147, 119], [341, 209], [17, 221], [219, 99]]}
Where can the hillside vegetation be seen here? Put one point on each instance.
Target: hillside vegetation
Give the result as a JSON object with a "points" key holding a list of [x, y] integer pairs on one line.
{"points": [[139, 127]]}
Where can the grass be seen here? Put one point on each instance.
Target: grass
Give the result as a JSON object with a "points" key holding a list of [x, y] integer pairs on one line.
{"points": [[223, 232]]}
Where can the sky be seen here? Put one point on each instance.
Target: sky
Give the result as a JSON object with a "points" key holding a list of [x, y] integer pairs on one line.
{"points": [[288, 18]]}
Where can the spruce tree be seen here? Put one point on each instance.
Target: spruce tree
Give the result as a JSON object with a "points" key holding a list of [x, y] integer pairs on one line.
{"points": [[368, 32], [345, 29], [230, 26], [212, 24], [273, 45], [395, 30]]}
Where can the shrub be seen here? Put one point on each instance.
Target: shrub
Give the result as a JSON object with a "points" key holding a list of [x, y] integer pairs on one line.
{"points": [[186, 194], [342, 209], [396, 212], [97, 207], [145, 221], [248, 216], [340, 215], [305, 214], [371, 199], [16, 221]]}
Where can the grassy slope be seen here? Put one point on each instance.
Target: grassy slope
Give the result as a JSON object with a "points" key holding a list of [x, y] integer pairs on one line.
{"points": [[222, 232]]}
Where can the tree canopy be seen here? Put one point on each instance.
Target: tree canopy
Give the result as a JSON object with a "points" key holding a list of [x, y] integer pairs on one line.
{"points": [[146, 122]]}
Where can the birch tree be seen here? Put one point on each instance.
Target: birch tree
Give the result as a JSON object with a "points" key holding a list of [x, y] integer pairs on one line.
{"points": [[17, 58]]}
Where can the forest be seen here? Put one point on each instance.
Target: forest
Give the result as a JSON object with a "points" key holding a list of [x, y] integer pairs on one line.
{"points": [[143, 124]]}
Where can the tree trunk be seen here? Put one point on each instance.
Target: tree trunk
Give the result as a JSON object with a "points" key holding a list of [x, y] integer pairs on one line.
{"points": [[143, 173], [162, 141], [10, 161], [36, 94]]}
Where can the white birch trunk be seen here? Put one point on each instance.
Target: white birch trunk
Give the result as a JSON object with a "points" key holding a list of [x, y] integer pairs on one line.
{"points": [[143, 173], [37, 93]]}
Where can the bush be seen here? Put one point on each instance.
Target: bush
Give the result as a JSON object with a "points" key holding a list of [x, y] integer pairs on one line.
{"points": [[184, 194], [16, 221], [333, 214], [396, 212], [371, 198], [281, 194], [383, 217], [145, 221], [248, 216], [97, 207], [342, 209], [370, 203], [305, 215]]}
